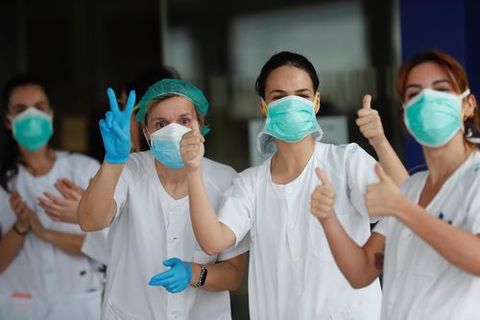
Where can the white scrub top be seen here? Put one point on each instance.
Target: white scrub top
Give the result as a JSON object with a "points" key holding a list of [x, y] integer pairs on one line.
{"points": [[418, 282], [292, 273], [61, 285], [149, 227]]}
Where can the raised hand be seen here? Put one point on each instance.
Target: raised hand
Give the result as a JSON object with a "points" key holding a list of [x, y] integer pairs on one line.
{"points": [[370, 124], [192, 148], [175, 279], [115, 129], [382, 198], [323, 197], [21, 210]]}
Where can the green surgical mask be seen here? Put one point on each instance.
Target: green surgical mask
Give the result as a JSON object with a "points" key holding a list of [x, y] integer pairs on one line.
{"points": [[289, 119], [32, 128]]}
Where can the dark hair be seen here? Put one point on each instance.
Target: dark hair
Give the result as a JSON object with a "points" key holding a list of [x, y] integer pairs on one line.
{"points": [[10, 151], [285, 58], [454, 71]]}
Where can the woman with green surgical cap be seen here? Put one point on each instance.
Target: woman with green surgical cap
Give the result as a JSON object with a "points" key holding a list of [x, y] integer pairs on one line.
{"points": [[156, 269], [292, 273], [43, 274]]}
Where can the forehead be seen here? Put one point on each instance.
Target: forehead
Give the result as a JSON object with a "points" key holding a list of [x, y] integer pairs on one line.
{"points": [[27, 95], [171, 107], [288, 78], [426, 73]]}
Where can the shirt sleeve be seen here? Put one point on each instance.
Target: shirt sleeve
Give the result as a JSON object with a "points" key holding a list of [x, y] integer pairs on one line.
{"points": [[360, 173], [382, 226], [95, 245], [472, 221], [236, 250], [237, 208], [121, 192], [7, 216]]}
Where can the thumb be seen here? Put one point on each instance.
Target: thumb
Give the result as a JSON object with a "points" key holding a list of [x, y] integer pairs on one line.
{"points": [[195, 127], [322, 177], [381, 173], [170, 262], [367, 101]]}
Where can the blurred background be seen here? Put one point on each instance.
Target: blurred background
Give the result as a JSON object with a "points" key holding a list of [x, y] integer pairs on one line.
{"points": [[80, 47]]}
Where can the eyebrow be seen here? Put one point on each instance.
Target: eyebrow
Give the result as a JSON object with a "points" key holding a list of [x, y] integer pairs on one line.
{"points": [[182, 115], [296, 91], [415, 85]]}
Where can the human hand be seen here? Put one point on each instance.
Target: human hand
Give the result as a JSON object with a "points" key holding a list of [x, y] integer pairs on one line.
{"points": [[37, 227], [370, 124], [382, 198], [323, 197], [175, 279], [192, 148], [62, 209], [115, 129], [21, 210]]}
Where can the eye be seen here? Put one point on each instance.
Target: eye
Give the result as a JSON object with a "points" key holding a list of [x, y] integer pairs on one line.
{"points": [[42, 107], [306, 96], [161, 124], [277, 97], [184, 121]]}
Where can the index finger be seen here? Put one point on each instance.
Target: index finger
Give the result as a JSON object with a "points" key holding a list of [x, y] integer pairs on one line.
{"points": [[112, 100], [367, 101]]}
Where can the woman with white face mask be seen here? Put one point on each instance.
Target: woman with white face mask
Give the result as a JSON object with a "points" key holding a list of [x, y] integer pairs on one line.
{"points": [[429, 245], [292, 274], [43, 274], [156, 269]]}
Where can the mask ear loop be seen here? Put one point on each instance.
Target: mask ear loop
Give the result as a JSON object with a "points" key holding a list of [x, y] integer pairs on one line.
{"points": [[263, 107], [144, 127]]}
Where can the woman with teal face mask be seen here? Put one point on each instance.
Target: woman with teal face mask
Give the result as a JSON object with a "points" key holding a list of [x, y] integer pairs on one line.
{"points": [[156, 269], [429, 242], [292, 274], [42, 268]]}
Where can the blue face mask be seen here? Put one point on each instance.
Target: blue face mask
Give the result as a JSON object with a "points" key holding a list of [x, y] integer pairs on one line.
{"points": [[434, 117], [165, 145], [32, 128]]}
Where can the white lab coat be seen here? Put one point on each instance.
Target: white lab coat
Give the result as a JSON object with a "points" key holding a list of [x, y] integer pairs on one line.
{"points": [[292, 273], [418, 282], [149, 227], [62, 286]]}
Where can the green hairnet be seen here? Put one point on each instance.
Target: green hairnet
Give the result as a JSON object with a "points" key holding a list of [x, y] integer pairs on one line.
{"points": [[173, 86]]}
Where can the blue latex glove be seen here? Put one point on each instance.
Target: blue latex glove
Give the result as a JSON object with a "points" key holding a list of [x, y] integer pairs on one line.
{"points": [[175, 279], [115, 129]]}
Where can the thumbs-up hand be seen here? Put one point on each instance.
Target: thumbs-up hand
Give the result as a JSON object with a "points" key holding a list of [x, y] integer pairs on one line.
{"points": [[191, 147], [370, 124], [323, 197], [382, 198]]}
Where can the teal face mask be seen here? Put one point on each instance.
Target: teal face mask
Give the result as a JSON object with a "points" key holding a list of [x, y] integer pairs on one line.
{"points": [[291, 119], [434, 117], [32, 128], [165, 145]]}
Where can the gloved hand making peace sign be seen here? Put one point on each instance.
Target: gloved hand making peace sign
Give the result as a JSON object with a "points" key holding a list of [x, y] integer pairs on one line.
{"points": [[115, 129]]}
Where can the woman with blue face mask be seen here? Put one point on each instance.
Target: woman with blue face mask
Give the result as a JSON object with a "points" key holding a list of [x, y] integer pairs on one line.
{"points": [[156, 269], [292, 274], [43, 274], [428, 246]]}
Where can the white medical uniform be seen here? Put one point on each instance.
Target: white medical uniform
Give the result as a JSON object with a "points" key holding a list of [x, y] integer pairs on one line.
{"points": [[149, 227], [292, 273], [62, 286], [418, 282]]}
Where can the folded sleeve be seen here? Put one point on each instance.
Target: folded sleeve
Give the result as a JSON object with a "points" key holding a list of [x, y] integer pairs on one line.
{"points": [[238, 207]]}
